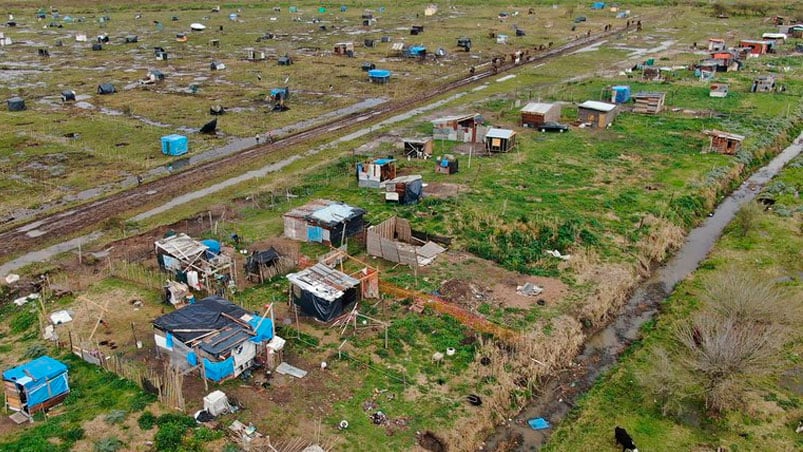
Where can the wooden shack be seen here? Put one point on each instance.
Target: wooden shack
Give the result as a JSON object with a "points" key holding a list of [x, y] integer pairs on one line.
{"points": [[718, 90], [372, 174], [596, 114], [419, 148], [323, 221], [763, 84], [716, 44], [500, 140], [724, 142], [650, 103], [536, 113]]}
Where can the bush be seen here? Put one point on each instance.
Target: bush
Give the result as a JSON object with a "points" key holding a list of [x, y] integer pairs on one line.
{"points": [[115, 417], [146, 421], [747, 218]]}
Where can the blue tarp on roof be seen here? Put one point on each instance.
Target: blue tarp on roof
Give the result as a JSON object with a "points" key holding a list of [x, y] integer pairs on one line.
{"points": [[383, 161], [264, 331], [43, 378], [598, 5], [416, 50]]}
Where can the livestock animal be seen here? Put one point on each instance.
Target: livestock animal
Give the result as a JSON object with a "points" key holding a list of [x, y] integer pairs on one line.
{"points": [[624, 439]]}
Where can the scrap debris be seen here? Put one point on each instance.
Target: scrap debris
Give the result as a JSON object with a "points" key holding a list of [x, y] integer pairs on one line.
{"points": [[529, 290]]}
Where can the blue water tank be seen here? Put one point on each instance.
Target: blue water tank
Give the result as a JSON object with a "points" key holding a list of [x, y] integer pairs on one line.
{"points": [[213, 246], [174, 144], [379, 75]]}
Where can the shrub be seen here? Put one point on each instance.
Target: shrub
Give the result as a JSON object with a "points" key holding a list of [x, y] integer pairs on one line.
{"points": [[115, 417], [108, 444], [146, 421]]}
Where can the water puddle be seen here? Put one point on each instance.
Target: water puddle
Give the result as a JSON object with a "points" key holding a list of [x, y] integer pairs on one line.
{"points": [[602, 350]]}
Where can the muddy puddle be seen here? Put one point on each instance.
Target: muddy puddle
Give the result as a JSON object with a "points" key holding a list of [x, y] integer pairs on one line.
{"points": [[602, 350]]}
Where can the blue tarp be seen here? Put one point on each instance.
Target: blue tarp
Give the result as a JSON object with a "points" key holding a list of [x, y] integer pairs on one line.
{"points": [[213, 246], [43, 378], [174, 144], [383, 161], [169, 340], [538, 423], [219, 371], [192, 360], [621, 94], [598, 5], [315, 234], [265, 330]]}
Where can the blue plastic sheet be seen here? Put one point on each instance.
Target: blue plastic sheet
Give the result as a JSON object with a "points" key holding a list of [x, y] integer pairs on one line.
{"points": [[192, 359], [220, 370]]}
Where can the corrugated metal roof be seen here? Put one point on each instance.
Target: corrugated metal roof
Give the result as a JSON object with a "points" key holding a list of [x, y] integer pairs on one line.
{"points": [[537, 107], [721, 134], [596, 105], [323, 281], [500, 133]]}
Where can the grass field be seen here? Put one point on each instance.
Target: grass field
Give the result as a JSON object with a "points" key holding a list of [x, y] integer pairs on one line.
{"points": [[773, 407], [618, 200]]}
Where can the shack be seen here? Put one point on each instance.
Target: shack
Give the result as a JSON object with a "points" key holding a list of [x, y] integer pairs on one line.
{"points": [[130, 39], [174, 144], [416, 52], [716, 44], [536, 113], [252, 54], [217, 66], [596, 114], [446, 164], [68, 96], [35, 386], [344, 48], [284, 61], [463, 128], [395, 241], [757, 47], [650, 103], [16, 103], [718, 90], [464, 43], [763, 84], [323, 221], [322, 292], [215, 336], [372, 174], [778, 38], [404, 189], [201, 265], [724, 142], [419, 148], [265, 264], [500, 140]]}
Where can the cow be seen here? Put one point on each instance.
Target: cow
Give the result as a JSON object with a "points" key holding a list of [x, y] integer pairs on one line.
{"points": [[624, 439]]}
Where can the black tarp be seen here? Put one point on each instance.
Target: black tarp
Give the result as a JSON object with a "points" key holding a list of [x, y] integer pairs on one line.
{"points": [[321, 309], [210, 127], [257, 258], [67, 95], [204, 315], [106, 88], [16, 104], [216, 110]]}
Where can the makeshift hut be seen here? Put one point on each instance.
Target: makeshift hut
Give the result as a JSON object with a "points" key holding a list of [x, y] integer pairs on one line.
{"points": [[217, 66], [763, 84], [323, 221], [174, 144], [106, 88], [447, 164], [757, 47], [263, 265], [724, 142], [536, 113], [778, 38], [379, 75], [464, 43], [16, 103], [419, 148], [500, 140], [322, 292], [344, 48], [718, 90], [35, 386], [252, 54], [416, 29], [367, 67], [416, 52], [501, 39], [97, 46], [404, 189], [650, 103], [371, 174], [796, 31], [68, 96], [130, 39], [395, 241], [620, 94], [194, 263], [284, 61], [716, 45], [216, 336], [464, 128], [596, 114]]}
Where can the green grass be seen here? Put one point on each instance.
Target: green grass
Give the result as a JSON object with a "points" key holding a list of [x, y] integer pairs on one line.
{"points": [[619, 400]]}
